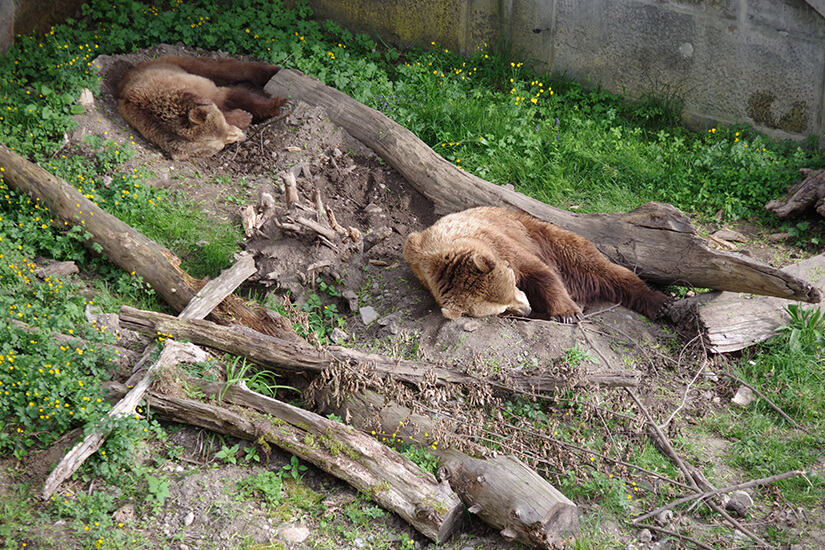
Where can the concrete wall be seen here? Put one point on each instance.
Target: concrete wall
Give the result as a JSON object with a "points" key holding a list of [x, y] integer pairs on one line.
{"points": [[757, 61], [25, 16]]}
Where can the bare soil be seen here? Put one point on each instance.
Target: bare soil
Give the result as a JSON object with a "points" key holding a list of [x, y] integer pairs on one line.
{"points": [[391, 314]]}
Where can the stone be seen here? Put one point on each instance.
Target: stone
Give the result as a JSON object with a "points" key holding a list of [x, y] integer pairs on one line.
{"points": [[368, 315], [352, 300], [730, 235], [744, 396], [190, 517], [338, 335], [664, 517], [645, 536], [739, 502], [295, 534]]}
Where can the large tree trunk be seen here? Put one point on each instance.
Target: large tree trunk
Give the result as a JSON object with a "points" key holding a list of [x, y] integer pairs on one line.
{"points": [[123, 246], [656, 241], [296, 356]]}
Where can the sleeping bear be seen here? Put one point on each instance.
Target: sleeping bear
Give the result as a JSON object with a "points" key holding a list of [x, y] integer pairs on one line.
{"points": [[488, 261], [192, 106]]}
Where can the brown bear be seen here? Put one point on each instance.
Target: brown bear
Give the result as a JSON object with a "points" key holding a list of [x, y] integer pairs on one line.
{"points": [[488, 261], [192, 106]]}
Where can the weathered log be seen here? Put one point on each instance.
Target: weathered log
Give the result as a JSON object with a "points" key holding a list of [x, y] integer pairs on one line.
{"points": [[656, 240], [391, 480], [123, 246], [808, 194], [216, 290], [297, 356], [730, 322], [503, 491], [172, 354]]}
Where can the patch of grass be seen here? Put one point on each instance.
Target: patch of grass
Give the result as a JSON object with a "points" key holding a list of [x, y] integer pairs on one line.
{"points": [[789, 370]]}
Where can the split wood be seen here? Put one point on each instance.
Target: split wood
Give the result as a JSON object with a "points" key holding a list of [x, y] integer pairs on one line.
{"points": [[200, 305], [172, 354]]}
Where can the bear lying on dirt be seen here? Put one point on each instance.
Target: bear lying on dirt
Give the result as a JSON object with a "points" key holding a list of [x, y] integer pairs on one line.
{"points": [[192, 106], [488, 261]]}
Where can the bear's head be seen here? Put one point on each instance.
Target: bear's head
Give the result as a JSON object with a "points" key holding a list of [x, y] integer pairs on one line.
{"points": [[466, 280], [207, 133], [478, 285]]}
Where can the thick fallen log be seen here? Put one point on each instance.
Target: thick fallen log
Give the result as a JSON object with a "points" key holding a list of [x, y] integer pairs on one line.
{"points": [[296, 356], [391, 480], [806, 195], [504, 492], [123, 246], [656, 241], [730, 322]]}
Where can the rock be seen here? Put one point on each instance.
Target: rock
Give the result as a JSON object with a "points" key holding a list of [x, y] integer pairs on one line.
{"points": [[352, 300], [295, 534], [387, 319], [124, 514], [744, 396], [664, 517], [368, 314], [645, 536], [338, 335], [730, 235], [372, 208], [778, 237], [471, 325], [739, 502], [358, 542], [86, 99], [190, 517]]}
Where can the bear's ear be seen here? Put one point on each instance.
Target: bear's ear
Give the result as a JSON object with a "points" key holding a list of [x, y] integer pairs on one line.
{"points": [[483, 263], [450, 313], [414, 240], [198, 115]]}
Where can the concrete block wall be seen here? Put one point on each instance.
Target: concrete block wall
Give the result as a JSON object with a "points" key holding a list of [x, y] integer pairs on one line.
{"points": [[757, 61]]}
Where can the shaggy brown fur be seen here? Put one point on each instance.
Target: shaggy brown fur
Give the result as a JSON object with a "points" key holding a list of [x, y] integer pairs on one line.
{"points": [[487, 261], [192, 106]]}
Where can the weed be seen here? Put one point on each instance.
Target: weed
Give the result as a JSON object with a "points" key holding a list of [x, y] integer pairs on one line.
{"points": [[228, 454]]}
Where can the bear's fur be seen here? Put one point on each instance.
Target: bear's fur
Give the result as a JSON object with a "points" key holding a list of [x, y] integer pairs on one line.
{"points": [[192, 106], [488, 261]]}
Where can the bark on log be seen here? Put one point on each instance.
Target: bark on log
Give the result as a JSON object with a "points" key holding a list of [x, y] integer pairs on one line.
{"points": [[513, 498], [503, 491], [656, 241], [391, 480], [297, 356], [123, 246], [730, 322], [810, 193]]}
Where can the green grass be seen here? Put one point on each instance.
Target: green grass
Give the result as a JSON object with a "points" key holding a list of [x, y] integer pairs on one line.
{"points": [[577, 148]]}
